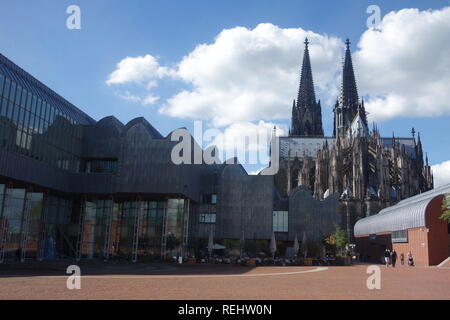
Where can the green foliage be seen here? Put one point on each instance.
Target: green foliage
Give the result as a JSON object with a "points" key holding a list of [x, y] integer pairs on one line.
{"points": [[336, 242], [446, 208], [340, 238]]}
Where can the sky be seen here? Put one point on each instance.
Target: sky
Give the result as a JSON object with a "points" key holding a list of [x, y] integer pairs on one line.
{"points": [[235, 65]]}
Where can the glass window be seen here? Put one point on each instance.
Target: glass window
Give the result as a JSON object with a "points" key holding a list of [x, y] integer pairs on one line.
{"points": [[6, 88], [26, 119], [29, 101], [21, 114], [23, 100], [4, 107], [280, 221], [10, 110], [18, 94], [209, 198], [13, 215], [12, 91], [52, 114], [16, 111], [40, 109], [46, 111], [101, 166], [2, 81], [399, 236], [207, 218], [34, 108]]}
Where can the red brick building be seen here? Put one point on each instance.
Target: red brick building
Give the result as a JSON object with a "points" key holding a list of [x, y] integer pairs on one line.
{"points": [[411, 225]]}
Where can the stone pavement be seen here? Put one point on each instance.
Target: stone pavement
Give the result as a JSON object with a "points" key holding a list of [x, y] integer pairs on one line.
{"points": [[227, 282]]}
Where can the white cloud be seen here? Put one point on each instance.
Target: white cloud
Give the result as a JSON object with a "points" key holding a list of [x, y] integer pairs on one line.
{"points": [[404, 66], [255, 172], [251, 74], [129, 97], [247, 75], [247, 133], [144, 70], [246, 140], [149, 99], [441, 173]]}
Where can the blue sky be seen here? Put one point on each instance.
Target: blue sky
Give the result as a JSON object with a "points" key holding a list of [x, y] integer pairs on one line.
{"points": [[77, 63]]}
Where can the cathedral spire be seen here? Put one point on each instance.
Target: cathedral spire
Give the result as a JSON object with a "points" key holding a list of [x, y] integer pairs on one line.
{"points": [[349, 92], [348, 102], [306, 95], [307, 113]]}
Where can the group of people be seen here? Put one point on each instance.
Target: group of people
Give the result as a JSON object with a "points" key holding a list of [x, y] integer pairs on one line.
{"points": [[390, 258]]}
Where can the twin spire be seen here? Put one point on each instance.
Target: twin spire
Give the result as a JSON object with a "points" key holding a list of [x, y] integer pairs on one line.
{"points": [[306, 111]]}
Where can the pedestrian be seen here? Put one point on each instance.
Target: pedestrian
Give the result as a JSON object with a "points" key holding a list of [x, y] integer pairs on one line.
{"points": [[402, 258], [393, 257], [410, 259], [387, 256]]}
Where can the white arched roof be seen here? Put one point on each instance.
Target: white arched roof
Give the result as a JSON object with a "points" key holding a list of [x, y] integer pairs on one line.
{"points": [[407, 214]]}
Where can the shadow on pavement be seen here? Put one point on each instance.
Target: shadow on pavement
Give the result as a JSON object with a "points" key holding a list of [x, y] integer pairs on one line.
{"points": [[58, 268]]}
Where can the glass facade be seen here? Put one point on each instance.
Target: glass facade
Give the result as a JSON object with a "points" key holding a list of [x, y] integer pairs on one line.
{"points": [[59, 228], [151, 228], [20, 218], [36, 122], [280, 221], [46, 227]]}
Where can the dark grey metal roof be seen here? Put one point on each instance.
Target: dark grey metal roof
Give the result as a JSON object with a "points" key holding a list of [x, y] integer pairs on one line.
{"points": [[292, 147], [408, 213]]}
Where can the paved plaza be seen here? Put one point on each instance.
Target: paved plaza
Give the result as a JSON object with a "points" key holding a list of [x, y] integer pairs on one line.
{"points": [[228, 282]]}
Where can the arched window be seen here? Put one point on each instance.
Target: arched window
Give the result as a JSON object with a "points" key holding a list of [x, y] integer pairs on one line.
{"points": [[294, 178]]}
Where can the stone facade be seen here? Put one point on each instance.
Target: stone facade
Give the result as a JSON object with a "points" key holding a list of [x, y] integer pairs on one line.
{"points": [[366, 171]]}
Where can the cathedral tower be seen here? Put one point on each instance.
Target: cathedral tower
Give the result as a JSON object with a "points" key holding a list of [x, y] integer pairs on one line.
{"points": [[347, 106], [306, 113]]}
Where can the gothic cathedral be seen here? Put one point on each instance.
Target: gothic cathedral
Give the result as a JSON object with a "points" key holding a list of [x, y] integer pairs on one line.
{"points": [[367, 171]]}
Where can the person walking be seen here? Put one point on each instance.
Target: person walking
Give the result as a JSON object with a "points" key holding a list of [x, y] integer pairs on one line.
{"points": [[402, 259], [393, 258], [387, 256], [410, 259]]}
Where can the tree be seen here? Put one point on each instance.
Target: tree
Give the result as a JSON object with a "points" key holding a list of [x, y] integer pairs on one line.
{"points": [[446, 208], [340, 238]]}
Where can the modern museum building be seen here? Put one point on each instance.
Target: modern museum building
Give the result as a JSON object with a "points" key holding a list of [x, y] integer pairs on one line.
{"points": [[72, 187]]}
